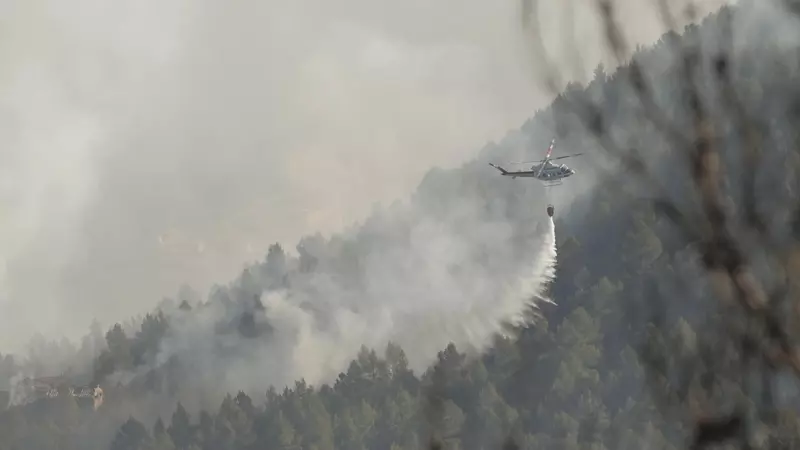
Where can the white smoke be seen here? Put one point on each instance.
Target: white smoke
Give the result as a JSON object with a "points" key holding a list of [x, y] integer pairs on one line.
{"points": [[21, 390], [461, 279], [154, 143]]}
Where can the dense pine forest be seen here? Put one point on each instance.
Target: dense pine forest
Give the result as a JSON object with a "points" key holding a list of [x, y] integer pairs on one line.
{"points": [[597, 369]]}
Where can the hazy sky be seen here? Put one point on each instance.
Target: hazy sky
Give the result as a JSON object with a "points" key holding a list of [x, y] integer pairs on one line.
{"points": [[148, 143]]}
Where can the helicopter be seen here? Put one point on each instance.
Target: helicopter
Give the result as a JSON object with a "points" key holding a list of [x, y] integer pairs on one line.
{"points": [[543, 170]]}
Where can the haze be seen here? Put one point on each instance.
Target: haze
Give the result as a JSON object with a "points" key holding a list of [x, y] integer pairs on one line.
{"points": [[144, 144]]}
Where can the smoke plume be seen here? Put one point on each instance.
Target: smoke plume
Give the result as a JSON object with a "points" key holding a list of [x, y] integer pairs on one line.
{"points": [[423, 283], [152, 143]]}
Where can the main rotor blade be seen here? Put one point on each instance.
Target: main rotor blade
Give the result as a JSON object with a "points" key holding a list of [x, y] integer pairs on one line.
{"points": [[526, 162], [567, 156]]}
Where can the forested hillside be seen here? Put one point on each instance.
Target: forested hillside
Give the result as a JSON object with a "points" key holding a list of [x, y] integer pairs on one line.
{"points": [[630, 300]]}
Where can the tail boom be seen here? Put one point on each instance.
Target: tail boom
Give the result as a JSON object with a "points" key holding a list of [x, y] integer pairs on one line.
{"points": [[503, 171]]}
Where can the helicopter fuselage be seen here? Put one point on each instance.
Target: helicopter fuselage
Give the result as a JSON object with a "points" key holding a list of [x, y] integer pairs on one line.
{"points": [[550, 173]]}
